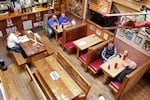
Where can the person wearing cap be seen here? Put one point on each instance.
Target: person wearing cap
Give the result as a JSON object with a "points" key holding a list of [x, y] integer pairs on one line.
{"points": [[52, 22], [130, 66], [109, 51], [63, 19]]}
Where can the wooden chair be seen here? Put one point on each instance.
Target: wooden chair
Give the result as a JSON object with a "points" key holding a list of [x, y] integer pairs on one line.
{"points": [[76, 76], [130, 80]]}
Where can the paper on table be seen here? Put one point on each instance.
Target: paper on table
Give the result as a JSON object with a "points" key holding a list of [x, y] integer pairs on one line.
{"points": [[82, 43], [54, 75], [23, 38]]}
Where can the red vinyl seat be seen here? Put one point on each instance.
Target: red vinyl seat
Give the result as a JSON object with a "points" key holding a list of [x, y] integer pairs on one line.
{"points": [[115, 84], [96, 65], [69, 45], [84, 57], [60, 39]]}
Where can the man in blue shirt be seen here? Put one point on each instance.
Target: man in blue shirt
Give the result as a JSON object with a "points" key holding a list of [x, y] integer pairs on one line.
{"points": [[109, 51], [63, 19], [52, 22]]}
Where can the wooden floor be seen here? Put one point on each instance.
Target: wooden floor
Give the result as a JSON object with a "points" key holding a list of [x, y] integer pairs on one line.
{"points": [[15, 78]]}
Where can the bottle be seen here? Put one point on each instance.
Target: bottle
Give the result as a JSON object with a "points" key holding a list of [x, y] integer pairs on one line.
{"points": [[125, 54]]}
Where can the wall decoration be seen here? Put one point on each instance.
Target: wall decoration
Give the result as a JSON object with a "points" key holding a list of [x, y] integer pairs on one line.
{"points": [[101, 6], [129, 35], [147, 15], [135, 38], [92, 27], [76, 7], [138, 40], [27, 24], [98, 32], [11, 29], [25, 17], [9, 22], [146, 45], [1, 34], [122, 32], [140, 18], [105, 36]]}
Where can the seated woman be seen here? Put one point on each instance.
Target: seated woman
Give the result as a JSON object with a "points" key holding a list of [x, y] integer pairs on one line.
{"points": [[130, 66], [13, 42], [63, 19], [109, 51], [52, 22]]}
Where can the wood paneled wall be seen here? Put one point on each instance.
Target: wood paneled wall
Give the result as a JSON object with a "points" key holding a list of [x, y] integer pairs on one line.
{"points": [[18, 22], [135, 55]]}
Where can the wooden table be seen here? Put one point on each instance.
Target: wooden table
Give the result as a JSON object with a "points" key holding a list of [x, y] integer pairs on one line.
{"points": [[60, 29], [31, 50], [86, 42], [112, 72], [62, 88]]}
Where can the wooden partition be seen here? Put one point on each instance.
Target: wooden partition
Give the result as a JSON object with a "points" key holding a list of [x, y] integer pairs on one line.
{"points": [[71, 34], [93, 28], [75, 32], [87, 28], [94, 54], [76, 76]]}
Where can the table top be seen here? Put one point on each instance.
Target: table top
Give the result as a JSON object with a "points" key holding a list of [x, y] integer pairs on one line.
{"points": [[62, 86], [113, 72], [30, 48], [61, 27], [87, 41]]}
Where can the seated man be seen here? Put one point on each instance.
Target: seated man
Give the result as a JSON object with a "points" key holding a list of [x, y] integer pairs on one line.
{"points": [[63, 19], [109, 51], [130, 66], [52, 22], [13, 42]]}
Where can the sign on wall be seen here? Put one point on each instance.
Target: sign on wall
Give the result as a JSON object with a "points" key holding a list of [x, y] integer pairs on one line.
{"points": [[139, 40], [76, 7], [101, 6]]}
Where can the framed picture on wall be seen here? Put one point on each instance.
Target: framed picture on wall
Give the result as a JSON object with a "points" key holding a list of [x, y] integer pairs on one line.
{"points": [[138, 40], [122, 32], [76, 7], [92, 27], [98, 32], [129, 35], [146, 45]]}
